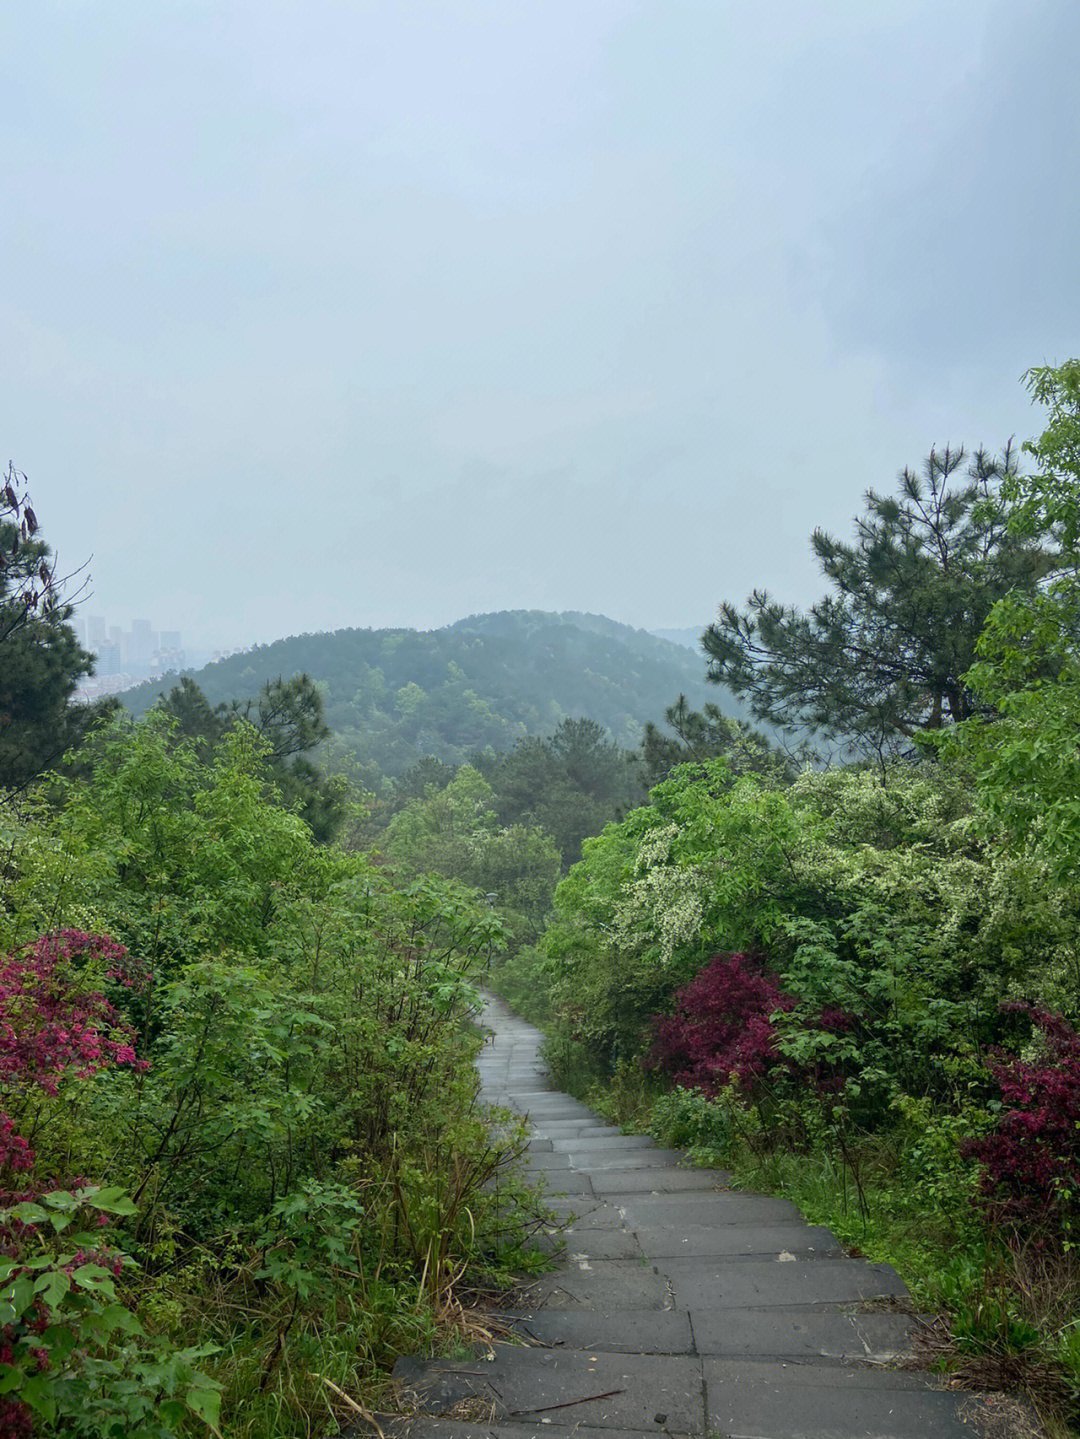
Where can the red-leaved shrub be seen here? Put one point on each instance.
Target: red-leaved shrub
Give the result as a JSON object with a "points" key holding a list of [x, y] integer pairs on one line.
{"points": [[720, 1032], [1031, 1160], [53, 1026]]}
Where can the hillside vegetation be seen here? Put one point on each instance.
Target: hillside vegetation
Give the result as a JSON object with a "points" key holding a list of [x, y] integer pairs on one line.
{"points": [[860, 986], [394, 696], [242, 1159]]}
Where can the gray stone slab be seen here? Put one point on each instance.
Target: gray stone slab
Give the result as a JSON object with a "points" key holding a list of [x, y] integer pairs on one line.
{"points": [[612, 1159], [596, 1213], [717, 1240], [540, 1160], [600, 1243], [557, 1182], [808, 1332], [583, 1128], [606, 1139], [627, 1331], [722, 1207], [544, 1098], [666, 1180], [754, 1283], [598, 1284], [425, 1428], [555, 1113], [650, 1393], [805, 1401]]}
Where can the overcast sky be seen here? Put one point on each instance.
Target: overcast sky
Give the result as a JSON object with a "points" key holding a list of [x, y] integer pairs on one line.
{"points": [[358, 313]]}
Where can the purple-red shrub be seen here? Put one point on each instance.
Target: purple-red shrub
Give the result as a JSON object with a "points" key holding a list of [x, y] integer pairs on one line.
{"points": [[720, 1031], [52, 1027], [1031, 1160]]}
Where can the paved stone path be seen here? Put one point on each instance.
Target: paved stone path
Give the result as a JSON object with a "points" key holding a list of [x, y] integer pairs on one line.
{"points": [[680, 1307]]}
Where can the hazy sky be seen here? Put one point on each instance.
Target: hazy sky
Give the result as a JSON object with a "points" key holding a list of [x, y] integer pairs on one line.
{"points": [[359, 313]]}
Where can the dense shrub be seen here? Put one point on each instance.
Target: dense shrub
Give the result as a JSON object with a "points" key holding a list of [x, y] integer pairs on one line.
{"points": [[282, 1082], [73, 1355], [721, 1031], [1031, 1159]]}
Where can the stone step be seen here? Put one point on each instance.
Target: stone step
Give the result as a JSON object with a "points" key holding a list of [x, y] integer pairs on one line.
{"points": [[810, 1333], [395, 1427], [598, 1284], [754, 1283], [651, 1393], [622, 1331], [577, 1243], [599, 1142], [705, 1211], [806, 1332], [809, 1401], [668, 1180], [703, 1241]]}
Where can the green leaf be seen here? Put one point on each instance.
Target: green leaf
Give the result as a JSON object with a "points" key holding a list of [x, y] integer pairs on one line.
{"points": [[29, 1213], [37, 1391], [118, 1316], [60, 1199], [94, 1278], [10, 1378], [114, 1200], [59, 1340], [206, 1403], [53, 1286], [17, 1299]]}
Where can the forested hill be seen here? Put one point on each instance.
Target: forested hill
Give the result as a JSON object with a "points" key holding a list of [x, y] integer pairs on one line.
{"points": [[689, 639], [394, 695]]}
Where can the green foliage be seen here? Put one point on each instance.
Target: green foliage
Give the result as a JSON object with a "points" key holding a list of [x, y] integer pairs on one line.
{"points": [[305, 1139], [80, 1360], [288, 715], [709, 734], [570, 784], [393, 696], [883, 658], [41, 661], [455, 831], [1025, 761], [879, 900]]}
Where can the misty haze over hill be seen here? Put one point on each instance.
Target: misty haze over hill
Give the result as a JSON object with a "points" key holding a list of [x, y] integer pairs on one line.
{"points": [[395, 695]]}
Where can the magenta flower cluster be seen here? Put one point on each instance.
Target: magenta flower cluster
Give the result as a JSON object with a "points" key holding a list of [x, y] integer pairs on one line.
{"points": [[50, 1023], [53, 1026], [1031, 1159]]}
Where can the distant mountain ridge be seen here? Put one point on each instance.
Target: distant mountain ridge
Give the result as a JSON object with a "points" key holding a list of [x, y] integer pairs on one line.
{"points": [[393, 695], [690, 639]]}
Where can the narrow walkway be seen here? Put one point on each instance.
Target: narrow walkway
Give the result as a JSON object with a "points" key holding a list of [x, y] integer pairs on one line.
{"points": [[679, 1308]]}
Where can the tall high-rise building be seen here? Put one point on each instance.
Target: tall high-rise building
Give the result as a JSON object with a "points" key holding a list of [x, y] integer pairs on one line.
{"points": [[96, 631], [143, 642]]}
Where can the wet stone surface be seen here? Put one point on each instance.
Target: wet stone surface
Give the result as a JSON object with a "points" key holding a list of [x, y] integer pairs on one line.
{"points": [[677, 1307]]}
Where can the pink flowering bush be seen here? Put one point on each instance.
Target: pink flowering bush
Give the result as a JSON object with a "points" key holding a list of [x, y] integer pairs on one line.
{"points": [[49, 1022], [55, 1027], [1031, 1159], [56, 1272]]}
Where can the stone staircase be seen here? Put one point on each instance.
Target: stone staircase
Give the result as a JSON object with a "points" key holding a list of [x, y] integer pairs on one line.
{"points": [[679, 1307]]}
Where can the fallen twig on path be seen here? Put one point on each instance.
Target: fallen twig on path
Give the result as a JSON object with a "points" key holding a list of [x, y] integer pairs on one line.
{"points": [[566, 1404]]}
